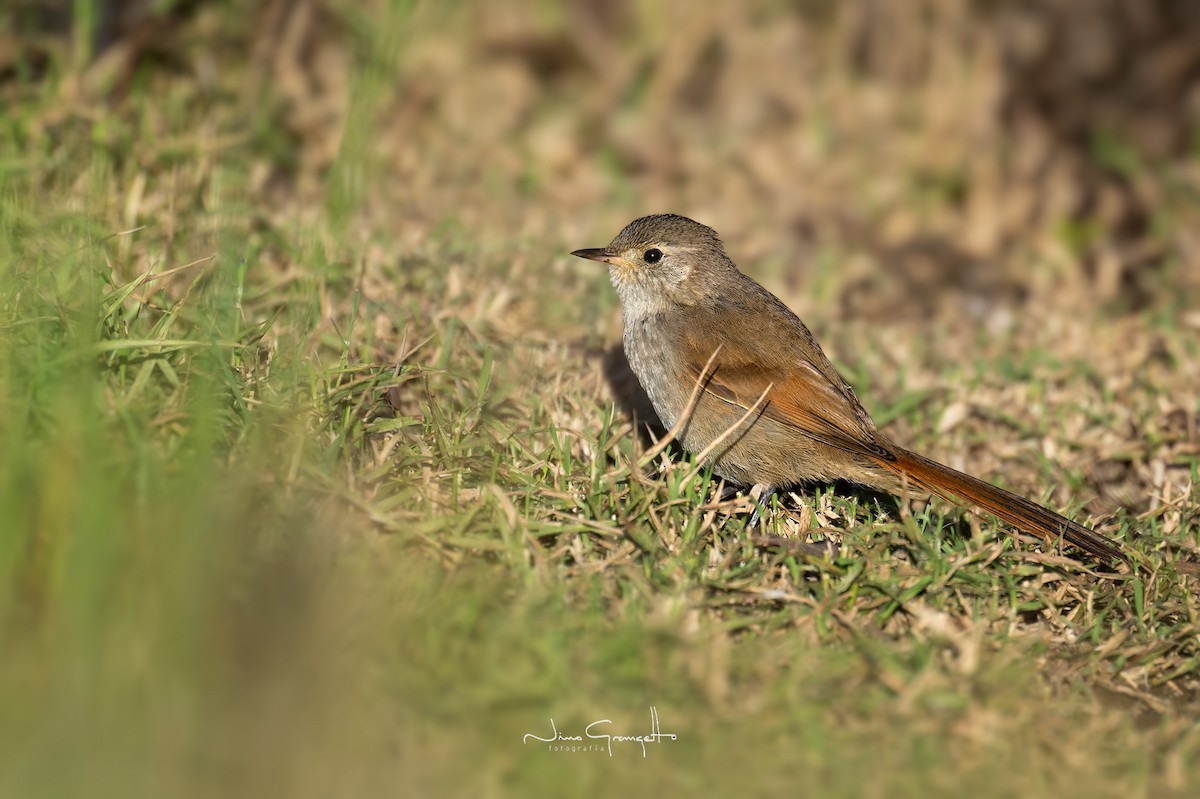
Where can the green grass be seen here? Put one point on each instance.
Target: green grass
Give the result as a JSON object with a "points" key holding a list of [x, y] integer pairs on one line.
{"points": [[311, 484]]}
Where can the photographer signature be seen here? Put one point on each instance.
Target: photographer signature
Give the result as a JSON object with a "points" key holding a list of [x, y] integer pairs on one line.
{"points": [[560, 742]]}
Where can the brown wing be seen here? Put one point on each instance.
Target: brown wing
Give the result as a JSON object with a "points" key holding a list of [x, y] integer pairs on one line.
{"points": [[801, 396]]}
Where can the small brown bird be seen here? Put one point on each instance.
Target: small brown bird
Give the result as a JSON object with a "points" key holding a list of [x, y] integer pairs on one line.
{"points": [[773, 405]]}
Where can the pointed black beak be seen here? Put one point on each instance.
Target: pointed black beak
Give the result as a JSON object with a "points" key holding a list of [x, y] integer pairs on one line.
{"points": [[595, 254]]}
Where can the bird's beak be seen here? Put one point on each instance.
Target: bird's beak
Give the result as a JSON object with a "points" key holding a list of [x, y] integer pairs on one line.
{"points": [[596, 254]]}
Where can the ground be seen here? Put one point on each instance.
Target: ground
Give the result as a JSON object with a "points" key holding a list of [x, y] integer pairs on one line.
{"points": [[321, 473]]}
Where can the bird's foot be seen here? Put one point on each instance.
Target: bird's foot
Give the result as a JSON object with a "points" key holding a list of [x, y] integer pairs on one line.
{"points": [[765, 492]]}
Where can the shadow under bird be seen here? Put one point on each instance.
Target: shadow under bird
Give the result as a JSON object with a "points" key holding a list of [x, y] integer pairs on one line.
{"points": [[756, 395]]}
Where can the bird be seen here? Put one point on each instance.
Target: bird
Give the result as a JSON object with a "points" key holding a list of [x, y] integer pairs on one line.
{"points": [[750, 391]]}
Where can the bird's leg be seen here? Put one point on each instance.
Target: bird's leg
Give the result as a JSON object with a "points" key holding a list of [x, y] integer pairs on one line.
{"points": [[765, 492]]}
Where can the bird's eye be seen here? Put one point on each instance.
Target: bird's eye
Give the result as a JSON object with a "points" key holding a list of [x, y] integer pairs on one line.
{"points": [[652, 256]]}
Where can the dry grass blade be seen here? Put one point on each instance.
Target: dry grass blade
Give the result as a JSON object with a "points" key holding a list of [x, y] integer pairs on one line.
{"points": [[697, 389]]}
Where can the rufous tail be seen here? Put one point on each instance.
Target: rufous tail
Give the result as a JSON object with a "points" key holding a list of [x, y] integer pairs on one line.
{"points": [[1027, 516]]}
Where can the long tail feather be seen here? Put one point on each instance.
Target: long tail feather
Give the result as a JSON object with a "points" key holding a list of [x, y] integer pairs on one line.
{"points": [[1027, 516]]}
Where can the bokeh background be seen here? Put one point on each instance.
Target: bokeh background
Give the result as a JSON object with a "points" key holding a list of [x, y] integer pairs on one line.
{"points": [[984, 150], [310, 422]]}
